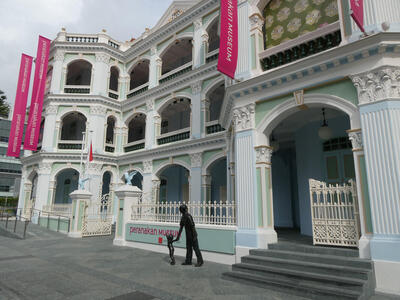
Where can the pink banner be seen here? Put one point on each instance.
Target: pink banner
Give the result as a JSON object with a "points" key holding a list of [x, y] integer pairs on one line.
{"points": [[228, 44], [357, 8], [18, 120], [39, 85]]}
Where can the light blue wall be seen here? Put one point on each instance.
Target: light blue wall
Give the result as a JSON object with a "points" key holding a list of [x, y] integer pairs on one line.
{"points": [[176, 177], [289, 167], [218, 178]]}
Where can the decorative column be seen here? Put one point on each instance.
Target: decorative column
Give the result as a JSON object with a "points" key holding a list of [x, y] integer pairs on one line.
{"points": [[42, 191], [127, 195], [204, 47], [379, 101], [247, 235], [206, 187], [154, 68], [243, 69], [49, 126], [363, 193], [197, 44], [205, 115], [101, 70], [256, 42], [80, 200], [56, 76], [195, 177], [156, 127], [97, 121], [264, 196], [95, 181], [155, 190], [147, 181], [149, 135], [56, 134], [196, 110], [123, 86]]}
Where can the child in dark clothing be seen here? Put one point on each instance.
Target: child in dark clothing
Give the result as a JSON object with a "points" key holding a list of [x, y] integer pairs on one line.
{"points": [[170, 240]]}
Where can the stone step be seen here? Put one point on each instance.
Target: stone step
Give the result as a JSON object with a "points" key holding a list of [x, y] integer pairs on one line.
{"points": [[314, 290], [316, 258], [297, 276], [287, 246], [321, 268]]}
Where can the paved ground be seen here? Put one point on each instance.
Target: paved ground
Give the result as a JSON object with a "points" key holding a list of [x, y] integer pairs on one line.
{"points": [[47, 265]]}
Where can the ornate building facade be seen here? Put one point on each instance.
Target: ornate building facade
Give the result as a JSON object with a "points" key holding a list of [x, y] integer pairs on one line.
{"points": [[314, 99]]}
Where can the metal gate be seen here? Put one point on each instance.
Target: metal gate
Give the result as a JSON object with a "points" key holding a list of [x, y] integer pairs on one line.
{"points": [[334, 213], [97, 219]]}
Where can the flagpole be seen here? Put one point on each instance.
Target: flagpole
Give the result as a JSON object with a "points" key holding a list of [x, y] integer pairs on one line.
{"points": [[82, 148]]}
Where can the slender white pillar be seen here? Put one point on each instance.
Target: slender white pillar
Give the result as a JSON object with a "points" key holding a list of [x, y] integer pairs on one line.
{"points": [[196, 110], [55, 87], [96, 125], [95, 180], [195, 177], [155, 68], [100, 75], [197, 43], [49, 126], [147, 181], [42, 191], [149, 136]]}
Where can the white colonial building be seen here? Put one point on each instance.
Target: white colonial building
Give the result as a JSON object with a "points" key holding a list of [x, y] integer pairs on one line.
{"points": [[315, 102]]}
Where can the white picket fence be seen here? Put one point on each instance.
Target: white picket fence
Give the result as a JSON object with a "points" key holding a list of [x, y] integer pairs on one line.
{"points": [[212, 213], [59, 209], [334, 212]]}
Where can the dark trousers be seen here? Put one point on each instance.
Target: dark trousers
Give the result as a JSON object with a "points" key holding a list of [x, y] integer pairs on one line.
{"points": [[193, 244]]}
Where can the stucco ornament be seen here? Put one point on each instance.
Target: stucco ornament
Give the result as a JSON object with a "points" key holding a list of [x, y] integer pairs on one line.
{"points": [[355, 137], [263, 154], [243, 117]]}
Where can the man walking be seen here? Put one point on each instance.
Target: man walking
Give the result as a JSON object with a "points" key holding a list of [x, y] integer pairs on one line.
{"points": [[191, 237]]}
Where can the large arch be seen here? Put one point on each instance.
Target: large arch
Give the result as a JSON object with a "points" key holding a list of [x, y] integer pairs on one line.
{"points": [[73, 124], [66, 182], [139, 73], [176, 54], [175, 115], [215, 179], [213, 37], [79, 72], [113, 84]]}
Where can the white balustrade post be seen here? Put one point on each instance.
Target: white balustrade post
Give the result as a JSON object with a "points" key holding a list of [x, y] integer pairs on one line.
{"points": [[128, 195], [80, 200]]}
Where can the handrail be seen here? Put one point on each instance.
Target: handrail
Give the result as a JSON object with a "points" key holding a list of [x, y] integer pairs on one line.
{"points": [[17, 218]]}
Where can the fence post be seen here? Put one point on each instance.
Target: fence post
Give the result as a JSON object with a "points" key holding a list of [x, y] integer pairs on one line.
{"points": [[127, 196], [80, 198]]}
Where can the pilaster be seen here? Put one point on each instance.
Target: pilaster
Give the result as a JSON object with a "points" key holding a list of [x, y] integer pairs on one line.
{"points": [[195, 177], [197, 44], [155, 68], [55, 87], [149, 135], [196, 110], [101, 70], [49, 126], [42, 191], [97, 121]]}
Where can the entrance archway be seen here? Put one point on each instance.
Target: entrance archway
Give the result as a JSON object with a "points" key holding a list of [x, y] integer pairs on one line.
{"points": [[173, 183], [66, 183], [300, 153]]}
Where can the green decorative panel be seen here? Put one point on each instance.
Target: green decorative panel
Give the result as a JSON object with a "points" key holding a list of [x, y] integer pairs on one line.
{"points": [[158, 162], [210, 16], [164, 43], [208, 81], [215, 240], [187, 29], [208, 154], [264, 107], [343, 89], [183, 158], [289, 19]]}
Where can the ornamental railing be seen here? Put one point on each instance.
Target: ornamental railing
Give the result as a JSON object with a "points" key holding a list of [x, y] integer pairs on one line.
{"points": [[174, 136], [109, 148], [305, 45], [70, 145], [113, 94], [138, 90], [82, 39], [211, 56], [77, 89], [59, 209], [176, 72], [213, 127], [213, 213], [134, 146]]}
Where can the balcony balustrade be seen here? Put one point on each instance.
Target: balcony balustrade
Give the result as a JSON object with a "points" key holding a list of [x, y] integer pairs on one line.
{"points": [[134, 146], [109, 148], [139, 90], [211, 56], [82, 39], [213, 127], [113, 94], [176, 72], [77, 89], [308, 44], [174, 136], [70, 145]]}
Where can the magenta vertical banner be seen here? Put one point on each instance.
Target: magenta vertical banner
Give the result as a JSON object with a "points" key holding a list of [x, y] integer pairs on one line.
{"points": [[357, 8], [39, 85], [18, 120], [228, 43]]}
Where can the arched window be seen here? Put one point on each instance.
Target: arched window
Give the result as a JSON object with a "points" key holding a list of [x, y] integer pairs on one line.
{"points": [[139, 74], [73, 125], [110, 136], [216, 97], [179, 54], [114, 76], [66, 183], [137, 128], [176, 115], [79, 73], [213, 38]]}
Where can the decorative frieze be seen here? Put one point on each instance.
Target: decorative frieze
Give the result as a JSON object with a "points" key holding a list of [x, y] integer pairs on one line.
{"points": [[147, 166], [196, 159], [355, 137], [256, 22], [196, 87], [244, 117], [102, 57], [98, 110], [263, 154], [51, 109], [379, 84]]}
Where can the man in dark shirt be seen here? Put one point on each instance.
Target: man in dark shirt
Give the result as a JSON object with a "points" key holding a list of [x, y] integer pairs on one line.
{"points": [[191, 237]]}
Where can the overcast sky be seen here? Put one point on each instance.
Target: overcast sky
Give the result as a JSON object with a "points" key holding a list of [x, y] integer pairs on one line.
{"points": [[21, 22]]}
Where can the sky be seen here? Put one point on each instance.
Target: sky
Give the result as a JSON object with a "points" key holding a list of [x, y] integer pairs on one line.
{"points": [[22, 21]]}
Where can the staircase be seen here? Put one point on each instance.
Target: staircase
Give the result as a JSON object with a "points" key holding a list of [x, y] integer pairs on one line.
{"points": [[308, 271]]}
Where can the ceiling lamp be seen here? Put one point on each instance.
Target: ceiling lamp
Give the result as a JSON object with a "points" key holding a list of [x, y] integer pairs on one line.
{"points": [[324, 132]]}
